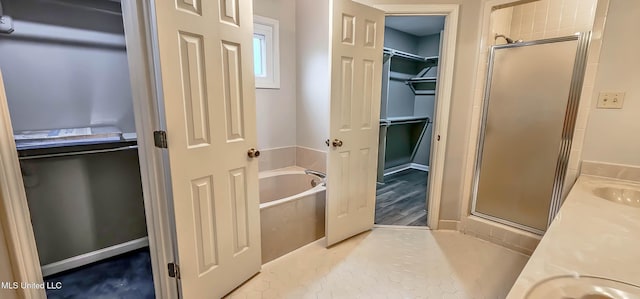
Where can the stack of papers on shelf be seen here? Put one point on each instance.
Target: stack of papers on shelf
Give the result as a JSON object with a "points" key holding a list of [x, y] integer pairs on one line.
{"points": [[66, 136], [129, 136], [53, 134]]}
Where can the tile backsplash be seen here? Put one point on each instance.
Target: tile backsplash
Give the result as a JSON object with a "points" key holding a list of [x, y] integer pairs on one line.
{"points": [[275, 158], [311, 159], [610, 170]]}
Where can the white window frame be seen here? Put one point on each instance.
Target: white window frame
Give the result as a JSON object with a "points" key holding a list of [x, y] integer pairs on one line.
{"points": [[270, 29]]}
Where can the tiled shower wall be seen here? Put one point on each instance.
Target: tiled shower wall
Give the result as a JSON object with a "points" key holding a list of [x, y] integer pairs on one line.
{"points": [[500, 24], [542, 19], [307, 158], [551, 18]]}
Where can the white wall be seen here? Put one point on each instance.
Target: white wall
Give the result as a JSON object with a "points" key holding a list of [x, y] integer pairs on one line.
{"points": [[55, 82], [103, 16], [612, 135], [312, 45], [427, 46], [276, 108], [399, 40]]}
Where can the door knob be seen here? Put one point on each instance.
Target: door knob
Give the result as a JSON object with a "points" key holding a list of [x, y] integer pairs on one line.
{"points": [[253, 153], [337, 143]]}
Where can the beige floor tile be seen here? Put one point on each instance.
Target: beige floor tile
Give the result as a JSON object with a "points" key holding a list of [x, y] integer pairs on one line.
{"points": [[391, 263]]}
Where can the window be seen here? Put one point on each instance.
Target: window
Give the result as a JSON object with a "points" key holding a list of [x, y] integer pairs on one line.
{"points": [[266, 54]]}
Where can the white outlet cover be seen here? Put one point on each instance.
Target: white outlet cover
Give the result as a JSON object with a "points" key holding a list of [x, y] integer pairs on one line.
{"points": [[610, 100]]}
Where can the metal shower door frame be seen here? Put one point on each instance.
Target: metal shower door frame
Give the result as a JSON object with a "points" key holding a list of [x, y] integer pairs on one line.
{"points": [[568, 129]]}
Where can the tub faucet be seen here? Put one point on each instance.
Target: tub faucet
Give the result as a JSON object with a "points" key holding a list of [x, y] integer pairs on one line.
{"points": [[322, 175]]}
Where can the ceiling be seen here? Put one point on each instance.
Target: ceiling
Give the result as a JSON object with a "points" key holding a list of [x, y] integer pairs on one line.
{"points": [[416, 25]]}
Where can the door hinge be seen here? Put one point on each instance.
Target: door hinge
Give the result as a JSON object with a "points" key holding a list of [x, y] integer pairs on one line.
{"points": [[174, 270], [160, 139]]}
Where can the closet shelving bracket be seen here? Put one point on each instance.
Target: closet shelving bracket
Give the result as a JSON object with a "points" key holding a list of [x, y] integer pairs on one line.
{"points": [[420, 85], [429, 61]]}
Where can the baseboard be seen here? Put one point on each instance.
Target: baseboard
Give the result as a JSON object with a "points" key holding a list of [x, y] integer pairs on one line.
{"points": [[506, 236], [387, 226], [94, 256], [419, 167], [396, 169], [404, 167], [448, 225]]}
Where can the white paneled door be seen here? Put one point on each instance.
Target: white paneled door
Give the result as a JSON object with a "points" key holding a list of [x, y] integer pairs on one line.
{"points": [[356, 76], [205, 53]]}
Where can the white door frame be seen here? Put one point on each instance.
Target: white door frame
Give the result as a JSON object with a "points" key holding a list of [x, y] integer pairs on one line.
{"points": [[139, 21], [444, 91], [15, 218], [14, 211]]}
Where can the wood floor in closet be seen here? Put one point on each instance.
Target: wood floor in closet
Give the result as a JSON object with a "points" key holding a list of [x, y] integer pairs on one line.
{"points": [[401, 200]]}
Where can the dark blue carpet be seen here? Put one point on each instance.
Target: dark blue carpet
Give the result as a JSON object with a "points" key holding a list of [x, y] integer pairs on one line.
{"points": [[127, 276]]}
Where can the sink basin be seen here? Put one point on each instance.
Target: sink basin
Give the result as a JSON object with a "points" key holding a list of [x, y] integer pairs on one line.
{"points": [[625, 196], [583, 287]]}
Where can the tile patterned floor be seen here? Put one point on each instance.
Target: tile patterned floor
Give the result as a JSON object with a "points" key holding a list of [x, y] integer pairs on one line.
{"points": [[401, 200], [390, 263]]}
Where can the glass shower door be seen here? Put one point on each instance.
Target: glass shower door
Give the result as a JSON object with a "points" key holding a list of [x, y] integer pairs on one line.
{"points": [[529, 112]]}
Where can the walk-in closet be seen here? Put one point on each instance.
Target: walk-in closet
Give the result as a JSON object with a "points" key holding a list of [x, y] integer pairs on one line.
{"points": [[65, 69], [409, 80]]}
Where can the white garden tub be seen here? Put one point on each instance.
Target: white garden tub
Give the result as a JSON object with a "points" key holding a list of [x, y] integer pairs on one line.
{"points": [[292, 210]]}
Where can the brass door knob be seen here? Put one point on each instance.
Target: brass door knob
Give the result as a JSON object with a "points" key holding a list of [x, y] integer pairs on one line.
{"points": [[253, 153], [337, 143]]}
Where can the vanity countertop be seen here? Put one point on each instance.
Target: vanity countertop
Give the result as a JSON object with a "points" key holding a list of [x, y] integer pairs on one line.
{"points": [[589, 236]]}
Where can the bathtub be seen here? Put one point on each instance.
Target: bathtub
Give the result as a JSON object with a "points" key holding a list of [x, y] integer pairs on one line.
{"points": [[292, 211]]}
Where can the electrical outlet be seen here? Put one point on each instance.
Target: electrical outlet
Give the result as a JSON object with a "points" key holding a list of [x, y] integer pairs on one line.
{"points": [[610, 100]]}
